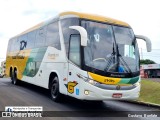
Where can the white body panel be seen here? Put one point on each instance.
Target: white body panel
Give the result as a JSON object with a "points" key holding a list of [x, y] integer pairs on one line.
{"points": [[70, 83]]}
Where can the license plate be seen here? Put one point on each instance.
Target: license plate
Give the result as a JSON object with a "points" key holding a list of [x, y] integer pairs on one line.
{"points": [[117, 95]]}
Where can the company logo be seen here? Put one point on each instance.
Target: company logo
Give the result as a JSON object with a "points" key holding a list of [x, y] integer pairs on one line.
{"points": [[19, 55], [6, 114], [8, 109], [118, 87], [23, 44], [117, 75], [70, 86], [23, 111]]}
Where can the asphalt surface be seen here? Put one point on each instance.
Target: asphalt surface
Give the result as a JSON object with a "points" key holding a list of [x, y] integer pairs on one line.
{"points": [[29, 95]]}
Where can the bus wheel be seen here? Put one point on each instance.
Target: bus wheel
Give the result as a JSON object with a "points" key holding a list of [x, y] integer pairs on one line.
{"points": [[14, 79], [11, 75], [54, 89]]}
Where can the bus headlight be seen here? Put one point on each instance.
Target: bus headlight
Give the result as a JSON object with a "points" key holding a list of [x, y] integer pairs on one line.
{"points": [[92, 82], [88, 80]]}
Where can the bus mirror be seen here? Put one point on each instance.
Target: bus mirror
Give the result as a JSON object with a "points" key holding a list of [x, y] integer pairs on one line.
{"points": [[83, 34], [147, 40]]}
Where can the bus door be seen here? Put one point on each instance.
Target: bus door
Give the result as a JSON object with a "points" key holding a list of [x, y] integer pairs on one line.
{"points": [[74, 66]]}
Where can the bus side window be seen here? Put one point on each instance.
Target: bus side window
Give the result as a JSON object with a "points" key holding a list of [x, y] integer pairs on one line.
{"points": [[31, 39], [17, 44], [13, 44], [40, 37], [65, 23], [74, 49], [52, 37], [9, 45]]}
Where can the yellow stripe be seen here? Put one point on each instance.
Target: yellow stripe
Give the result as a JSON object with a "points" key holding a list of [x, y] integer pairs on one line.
{"points": [[18, 63], [81, 15], [96, 18], [104, 80]]}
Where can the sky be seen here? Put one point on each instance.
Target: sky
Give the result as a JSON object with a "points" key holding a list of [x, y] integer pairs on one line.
{"points": [[143, 16]]}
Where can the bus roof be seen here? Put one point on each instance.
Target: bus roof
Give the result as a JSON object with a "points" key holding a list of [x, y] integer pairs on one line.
{"points": [[79, 15], [95, 18]]}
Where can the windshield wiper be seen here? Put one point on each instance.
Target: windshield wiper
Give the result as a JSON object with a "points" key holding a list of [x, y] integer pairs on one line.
{"points": [[116, 65], [111, 59], [122, 59]]}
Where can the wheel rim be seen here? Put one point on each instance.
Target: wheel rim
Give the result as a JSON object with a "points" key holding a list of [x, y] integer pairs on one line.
{"points": [[54, 90]]}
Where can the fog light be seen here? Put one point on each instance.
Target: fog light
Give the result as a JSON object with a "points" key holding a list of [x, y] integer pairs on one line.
{"points": [[86, 92]]}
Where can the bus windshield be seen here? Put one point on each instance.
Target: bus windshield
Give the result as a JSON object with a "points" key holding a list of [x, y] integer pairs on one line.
{"points": [[110, 48]]}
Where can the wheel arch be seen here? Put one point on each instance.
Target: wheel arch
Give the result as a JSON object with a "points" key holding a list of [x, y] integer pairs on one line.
{"points": [[51, 76], [15, 69], [10, 71]]}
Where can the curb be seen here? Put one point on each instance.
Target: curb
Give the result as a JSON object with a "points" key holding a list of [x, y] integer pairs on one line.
{"points": [[144, 103]]}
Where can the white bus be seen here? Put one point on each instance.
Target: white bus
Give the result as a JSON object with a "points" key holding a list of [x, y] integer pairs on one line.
{"points": [[85, 56]]}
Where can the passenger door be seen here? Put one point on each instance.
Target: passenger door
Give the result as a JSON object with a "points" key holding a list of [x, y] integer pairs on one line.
{"points": [[74, 66]]}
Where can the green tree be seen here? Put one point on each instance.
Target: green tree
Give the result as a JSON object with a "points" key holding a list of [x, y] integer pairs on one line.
{"points": [[147, 61]]}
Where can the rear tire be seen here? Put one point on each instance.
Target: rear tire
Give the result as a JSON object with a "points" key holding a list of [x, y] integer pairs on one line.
{"points": [[11, 75], [54, 89], [14, 78]]}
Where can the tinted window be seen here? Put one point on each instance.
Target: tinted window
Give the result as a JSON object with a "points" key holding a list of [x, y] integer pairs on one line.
{"points": [[14, 44], [40, 37], [9, 45], [74, 51], [52, 38], [65, 23], [31, 39], [99, 51]]}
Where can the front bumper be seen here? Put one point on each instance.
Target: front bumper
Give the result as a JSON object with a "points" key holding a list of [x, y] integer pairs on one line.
{"points": [[96, 93]]}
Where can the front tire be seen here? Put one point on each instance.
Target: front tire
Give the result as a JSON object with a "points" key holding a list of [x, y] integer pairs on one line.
{"points": [[54, 89]]}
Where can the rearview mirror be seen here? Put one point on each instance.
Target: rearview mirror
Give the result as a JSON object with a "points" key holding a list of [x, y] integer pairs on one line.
{"points": [[147, 40], [83, 34]]}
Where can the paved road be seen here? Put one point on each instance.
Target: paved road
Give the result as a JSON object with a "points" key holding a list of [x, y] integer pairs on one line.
{"points": [[30, 95]]}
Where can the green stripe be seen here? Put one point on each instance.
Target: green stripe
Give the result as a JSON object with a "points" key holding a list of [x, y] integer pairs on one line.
{"points": [[134, 80], [129, 80], [124, 80], [34, 61]]}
